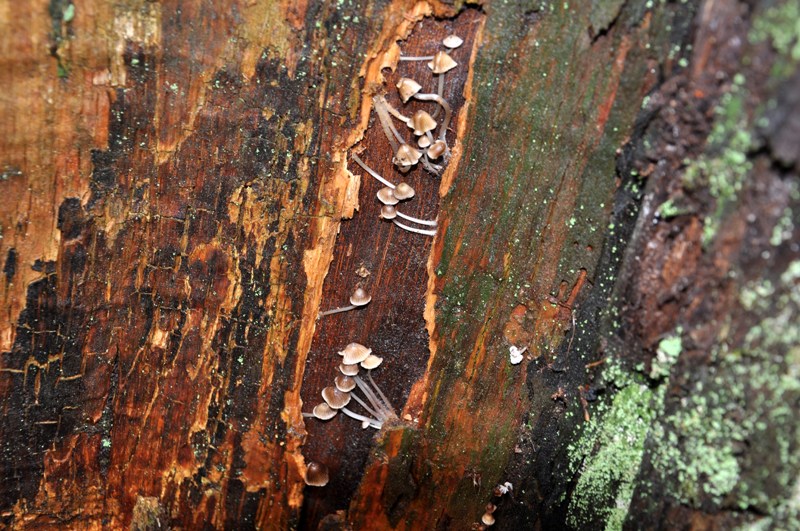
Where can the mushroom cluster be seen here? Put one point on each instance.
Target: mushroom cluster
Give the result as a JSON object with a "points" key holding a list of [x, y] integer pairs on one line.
{"points": [[337, 397], [427, 148]]}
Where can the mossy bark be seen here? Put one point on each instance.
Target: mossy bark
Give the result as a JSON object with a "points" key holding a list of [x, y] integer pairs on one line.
{"points": [[621, 202]]}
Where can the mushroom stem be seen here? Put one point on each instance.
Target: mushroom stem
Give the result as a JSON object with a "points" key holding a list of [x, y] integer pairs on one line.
{"points": [[379, 404], [447, 110], [440, 93], [372, 422], [371, 171], [433, 169], [416, 58], [394, 112], [412, 229], [337, 310], [383, 396], [365, 406], [381, 107], [416, 220]]}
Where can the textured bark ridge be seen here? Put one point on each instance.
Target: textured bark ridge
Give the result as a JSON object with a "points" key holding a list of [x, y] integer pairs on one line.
{"points": [[179, 204]]}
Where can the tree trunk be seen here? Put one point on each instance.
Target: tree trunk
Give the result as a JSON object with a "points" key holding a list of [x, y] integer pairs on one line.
{"points": [[619, 205]]}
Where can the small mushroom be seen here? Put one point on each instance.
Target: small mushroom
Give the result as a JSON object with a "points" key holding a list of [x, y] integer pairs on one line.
{"points": [[334, 398], [370, 362], [422, 122], [316, 474], [442, 63], [403, 192], [354, 353], [391, 212], [452, 42], [358, 298], [424, 141], [348, 370], [345, 383], [437, 149], [323, 411], [406, 157], [386, 196], [487, 519]]}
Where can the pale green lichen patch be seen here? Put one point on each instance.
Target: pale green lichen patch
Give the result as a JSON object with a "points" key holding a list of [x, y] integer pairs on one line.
{"points": [[611, 450], [780, 24], [733, 441], [667, 354]]}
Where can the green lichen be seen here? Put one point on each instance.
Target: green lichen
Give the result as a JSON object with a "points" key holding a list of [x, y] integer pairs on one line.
{"points": [[733, 441], [666, 355], [606, 483], [780, 25]]}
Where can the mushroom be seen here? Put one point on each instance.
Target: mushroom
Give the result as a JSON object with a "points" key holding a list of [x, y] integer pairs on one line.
{"points": [[348, 370], [437, 149], [354, 353], [370, 362], [386, 196], [424, 141], [487, 519], [422, 122], [451, 42], [345, 383], [408, 88], [316, 474], [391, 212], [403, 191], [323, 411], [334, 398], [405, 157], [359, 298]]}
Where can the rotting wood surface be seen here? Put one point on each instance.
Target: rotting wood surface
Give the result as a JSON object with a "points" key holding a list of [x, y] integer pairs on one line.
{"points": [[177, 192]]}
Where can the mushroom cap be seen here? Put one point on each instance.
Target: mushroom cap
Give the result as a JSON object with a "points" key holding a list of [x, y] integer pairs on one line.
{"points": [[360, 297], [452, 41], [386, 196], [348, 370], [437, 149], [423, 142], [407, 87], [487, 519], [316, 474], [344, 383], [371, 361], [403, 191], [388, 212], [354, 353], [422, 122], [323, 411], [406, 156], [441, 63], [335, 398]]}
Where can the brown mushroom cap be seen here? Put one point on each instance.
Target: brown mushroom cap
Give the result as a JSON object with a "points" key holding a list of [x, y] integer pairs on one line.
{"points": [[354, 353], [323, 411], [487, 519], [335, 398], [371, 361], [344, 383], [360, 297], [441, 63], [386, 196], [406, 156], [388, 212], [452, 41], [403, 191], [348, 370], [422, 122], [407, 87], [437, 149], [423, 142], [316, 474]]}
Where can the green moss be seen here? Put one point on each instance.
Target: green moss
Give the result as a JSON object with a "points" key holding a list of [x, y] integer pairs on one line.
{"points": [[780, 24], [666, 355]]}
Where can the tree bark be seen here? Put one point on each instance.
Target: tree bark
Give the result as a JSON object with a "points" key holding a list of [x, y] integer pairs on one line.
{"points": [[181, 202]]}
